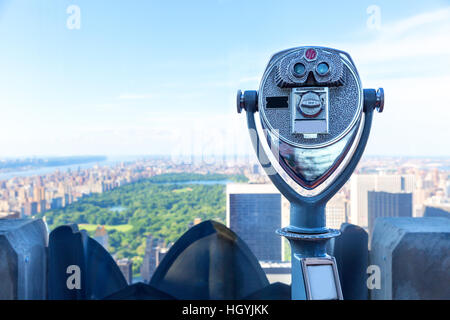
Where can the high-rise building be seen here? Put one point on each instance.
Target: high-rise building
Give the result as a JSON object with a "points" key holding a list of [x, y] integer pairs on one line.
{"points": [[67, 199], [337, 211], [126, 266], [385, 204], [361, 184], [254, 212], [101, 236], [447, 189], [38, 193], [42, 205], [152, 258], [56, 203], [30, 208], [443, 211]]}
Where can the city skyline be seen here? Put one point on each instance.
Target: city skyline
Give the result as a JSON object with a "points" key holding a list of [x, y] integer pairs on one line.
{"points": [[33, 191], [117, 85]]}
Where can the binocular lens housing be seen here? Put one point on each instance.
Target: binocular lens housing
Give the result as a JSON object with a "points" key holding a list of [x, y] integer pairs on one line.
{"points": [[310, 102], [311, 105]]}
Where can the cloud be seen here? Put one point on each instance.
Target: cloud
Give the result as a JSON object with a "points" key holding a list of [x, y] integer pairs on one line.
{"points": [[425, 36], [420, 20]]}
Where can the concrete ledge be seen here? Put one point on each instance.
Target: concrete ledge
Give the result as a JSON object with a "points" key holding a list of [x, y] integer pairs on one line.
{"points": [[23, 259], [413, 255], [350, 251]]}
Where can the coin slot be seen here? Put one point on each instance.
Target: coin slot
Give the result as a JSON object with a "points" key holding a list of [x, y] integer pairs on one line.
{"points": [[277, 102]]}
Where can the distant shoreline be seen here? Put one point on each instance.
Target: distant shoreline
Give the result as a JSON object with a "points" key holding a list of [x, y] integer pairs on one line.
{"points": [[84, 163], [36, 163]]}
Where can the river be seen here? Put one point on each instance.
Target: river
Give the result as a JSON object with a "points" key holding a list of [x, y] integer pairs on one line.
{"points": [[110, 161]]}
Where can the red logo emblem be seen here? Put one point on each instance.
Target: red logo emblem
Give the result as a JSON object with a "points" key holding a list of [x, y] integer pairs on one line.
{"points": [[310, 54]]}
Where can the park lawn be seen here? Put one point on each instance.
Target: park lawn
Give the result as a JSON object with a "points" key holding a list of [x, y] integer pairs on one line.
{"points": [[93, 227], [187, 189]]}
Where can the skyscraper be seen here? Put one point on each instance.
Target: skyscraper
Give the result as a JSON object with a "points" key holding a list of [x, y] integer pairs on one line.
{"points": [[385, 204], [56, 203], [154, 253], [254, 212], [360, 184], [337, 211], [149, 263], [42, 205], [30, 208], [126, 266]]}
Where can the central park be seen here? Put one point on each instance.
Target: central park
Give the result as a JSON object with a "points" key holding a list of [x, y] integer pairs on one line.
{"points": [[163, 207]]}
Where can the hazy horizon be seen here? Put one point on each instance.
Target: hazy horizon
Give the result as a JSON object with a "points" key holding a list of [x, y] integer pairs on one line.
{"points": [[199, 156]]}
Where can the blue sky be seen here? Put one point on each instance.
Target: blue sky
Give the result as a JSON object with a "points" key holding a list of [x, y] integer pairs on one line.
{"points": [[152, 77]]}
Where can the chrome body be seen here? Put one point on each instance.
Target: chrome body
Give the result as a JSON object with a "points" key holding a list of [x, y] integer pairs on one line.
{"points": [[309, 164]]}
